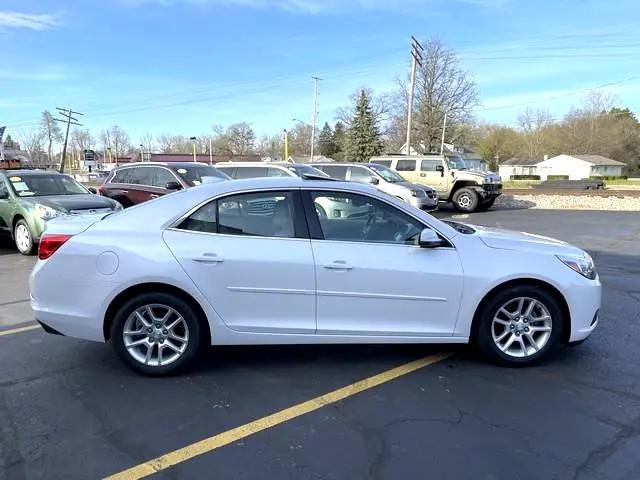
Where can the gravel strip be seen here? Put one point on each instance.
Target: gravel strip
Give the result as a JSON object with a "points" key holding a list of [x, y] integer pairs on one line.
{"points": [[569, 202]]}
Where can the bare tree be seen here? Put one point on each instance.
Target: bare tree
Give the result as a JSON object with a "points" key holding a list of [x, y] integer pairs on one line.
{"points": [[442, 87], [51, 132], [32, 141], [534, 125], [120, 141], [147, 142], [241, 138]]}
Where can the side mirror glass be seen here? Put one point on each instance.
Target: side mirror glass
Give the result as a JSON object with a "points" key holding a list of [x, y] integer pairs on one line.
{"points": [[374, 181], [173, 186], [429, 239], [440, 168]]}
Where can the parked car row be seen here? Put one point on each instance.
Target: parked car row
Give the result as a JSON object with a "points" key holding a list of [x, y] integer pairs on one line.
{"points": [[29, 198]]}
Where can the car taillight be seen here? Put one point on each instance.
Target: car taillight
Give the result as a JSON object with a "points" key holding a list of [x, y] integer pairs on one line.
{"points": [[49, 244]]}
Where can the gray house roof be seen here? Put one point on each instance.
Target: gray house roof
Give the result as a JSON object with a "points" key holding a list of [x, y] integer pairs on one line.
{"points": [[599, 160], [522, 162]]}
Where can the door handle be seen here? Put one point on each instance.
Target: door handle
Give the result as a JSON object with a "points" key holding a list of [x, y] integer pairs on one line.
{"points": [[208, 258], [153, 195], [338, 265], [423, 174]]}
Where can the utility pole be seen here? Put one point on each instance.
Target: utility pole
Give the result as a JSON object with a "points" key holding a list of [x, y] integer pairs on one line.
{"points": [[444, 128], [416, 58], [69, 119], [315, 112], [210, 151]]}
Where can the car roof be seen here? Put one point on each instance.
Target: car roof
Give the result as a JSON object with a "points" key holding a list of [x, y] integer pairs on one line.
{"points": [[27, 172], [340, 164], [162, 164]]}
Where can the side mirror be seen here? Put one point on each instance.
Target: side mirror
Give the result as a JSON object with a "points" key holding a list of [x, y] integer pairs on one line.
{"points": [[429, 239], [92, 190], [440, 168], [374, 181], [173, 186]]}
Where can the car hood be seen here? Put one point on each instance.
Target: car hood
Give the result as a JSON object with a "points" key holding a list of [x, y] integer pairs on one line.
{"points": [[67, 203], [522, 241]]}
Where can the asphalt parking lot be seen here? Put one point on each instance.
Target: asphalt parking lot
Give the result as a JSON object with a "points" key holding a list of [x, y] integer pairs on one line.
{"points": [[69, 409]]}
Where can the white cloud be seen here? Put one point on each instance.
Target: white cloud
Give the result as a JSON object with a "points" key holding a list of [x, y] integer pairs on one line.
{"points": [[27, 20], [315, 7]]}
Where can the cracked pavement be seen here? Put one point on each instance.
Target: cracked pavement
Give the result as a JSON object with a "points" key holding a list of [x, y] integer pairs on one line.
{"points": [[69, 409]]}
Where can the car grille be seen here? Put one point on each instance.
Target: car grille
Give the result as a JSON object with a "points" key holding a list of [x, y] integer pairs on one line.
{"points": [[432, 194], [90, 210]]}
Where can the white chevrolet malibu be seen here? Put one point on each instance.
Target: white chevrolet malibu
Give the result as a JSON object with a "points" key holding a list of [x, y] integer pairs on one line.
{"points": [[256, 262]]}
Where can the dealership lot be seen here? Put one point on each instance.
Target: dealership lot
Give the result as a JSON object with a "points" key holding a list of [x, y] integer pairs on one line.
{"points": [[70, 409]]}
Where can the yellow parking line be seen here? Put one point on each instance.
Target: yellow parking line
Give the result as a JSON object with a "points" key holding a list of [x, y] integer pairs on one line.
{"points": [[225, 438], [18, 330]]}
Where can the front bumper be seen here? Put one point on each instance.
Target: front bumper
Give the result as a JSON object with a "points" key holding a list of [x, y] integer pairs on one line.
{"points": [[584, 306], [491, 190], [425, 204]]}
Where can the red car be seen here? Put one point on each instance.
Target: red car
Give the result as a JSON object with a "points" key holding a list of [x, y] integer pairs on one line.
{"points": [[138, 182]]}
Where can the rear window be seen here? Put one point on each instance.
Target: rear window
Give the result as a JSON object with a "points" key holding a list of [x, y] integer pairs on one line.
{"points": [[198, 174]]}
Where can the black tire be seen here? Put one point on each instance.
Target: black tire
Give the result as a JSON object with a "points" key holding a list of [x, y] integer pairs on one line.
{"points": [[322, 213], [195, 335], [486, 205], [28, 247], [483, 329], [465, 200]]}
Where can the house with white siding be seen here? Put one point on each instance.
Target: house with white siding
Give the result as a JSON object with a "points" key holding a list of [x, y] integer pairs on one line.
{"points": [[575, 167], [579, 167]]}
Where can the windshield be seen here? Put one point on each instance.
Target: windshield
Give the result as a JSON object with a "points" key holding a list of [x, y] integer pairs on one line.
{"points": [[301, 170], [194, 174], [41, 185], [386, 173], [456, 163]]}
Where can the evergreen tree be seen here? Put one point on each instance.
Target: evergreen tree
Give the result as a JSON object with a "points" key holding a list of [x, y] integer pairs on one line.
{"points": [[363, 138], [339, 140], [326, 145]]}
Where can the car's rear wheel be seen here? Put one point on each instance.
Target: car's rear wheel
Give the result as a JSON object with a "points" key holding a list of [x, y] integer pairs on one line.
{"points": [[156, 334], [23, 238], [520, 325], [465, 200]]}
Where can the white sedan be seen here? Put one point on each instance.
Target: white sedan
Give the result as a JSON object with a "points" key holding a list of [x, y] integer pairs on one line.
{"points": [[252, 262]]}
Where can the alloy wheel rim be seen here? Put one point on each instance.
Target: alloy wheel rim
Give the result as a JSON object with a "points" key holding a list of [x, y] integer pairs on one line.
{"points": [[155, 335], [464, 201], [22, 238], [521, 327]]}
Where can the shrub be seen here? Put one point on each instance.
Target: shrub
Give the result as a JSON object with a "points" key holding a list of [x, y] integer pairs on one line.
{"points": [[557, 177], [609, 177], [525, 177]]}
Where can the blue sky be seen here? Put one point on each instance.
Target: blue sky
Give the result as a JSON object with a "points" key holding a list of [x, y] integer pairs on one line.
{"points": [[181, 66]]}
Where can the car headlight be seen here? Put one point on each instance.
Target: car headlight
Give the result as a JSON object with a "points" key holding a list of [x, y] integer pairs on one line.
{"points": [[581, 264], [418, 193], [492, 179], [47, 213]]}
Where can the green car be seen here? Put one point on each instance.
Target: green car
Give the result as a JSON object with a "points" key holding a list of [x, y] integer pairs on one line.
{"points": [[29, 198]]}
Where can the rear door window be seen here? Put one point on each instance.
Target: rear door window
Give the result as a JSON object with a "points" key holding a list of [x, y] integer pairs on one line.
{"points": [[141, 176], [122, 176], [361, 175], [406, 165], [162, 177], [338, 172], [386, 163]]}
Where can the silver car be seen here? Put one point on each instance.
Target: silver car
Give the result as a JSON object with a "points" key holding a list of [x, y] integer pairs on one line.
{"points": [[420, 196]]}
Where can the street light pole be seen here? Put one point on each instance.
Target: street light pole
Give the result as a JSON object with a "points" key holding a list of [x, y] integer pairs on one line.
{"points": [[315, 113], [286, 145], [193, 142], [141, 153], [210, 151], [444, 127]]}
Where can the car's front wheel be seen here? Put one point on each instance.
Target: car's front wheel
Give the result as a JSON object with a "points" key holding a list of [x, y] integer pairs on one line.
{"points": [[23, 238], [156, 334], [520, 326], [465, 200]]}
